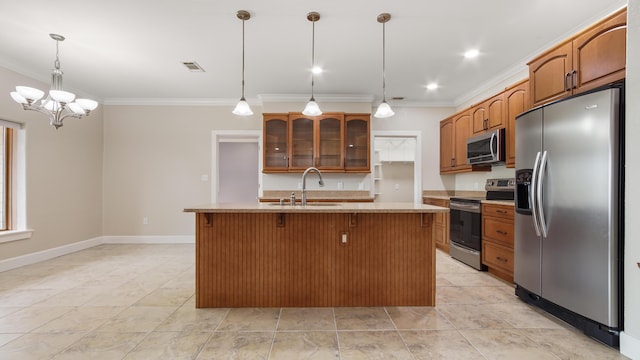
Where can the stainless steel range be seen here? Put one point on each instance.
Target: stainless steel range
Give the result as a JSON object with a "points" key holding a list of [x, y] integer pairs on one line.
{"points": [[465, 214]]}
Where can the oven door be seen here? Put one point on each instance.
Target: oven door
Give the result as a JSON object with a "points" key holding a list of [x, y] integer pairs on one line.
{"points": [[466, 225]]}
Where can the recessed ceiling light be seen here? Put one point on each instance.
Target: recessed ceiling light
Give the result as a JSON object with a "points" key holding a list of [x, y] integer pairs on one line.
{"points": [[470, 54], [317, 70], [432, 86]]}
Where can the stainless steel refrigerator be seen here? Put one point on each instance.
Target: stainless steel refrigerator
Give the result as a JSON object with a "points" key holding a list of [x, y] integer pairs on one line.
{"points": [[569, 204]]}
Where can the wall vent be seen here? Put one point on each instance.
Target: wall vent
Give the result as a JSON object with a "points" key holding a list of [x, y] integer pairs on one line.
{"points": [[193, 66]]}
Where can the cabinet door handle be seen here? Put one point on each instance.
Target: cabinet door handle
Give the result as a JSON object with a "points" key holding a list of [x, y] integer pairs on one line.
{"points": [[453, 161], [501, 232], [574, 80], [501, 211], [566, 82], [501, 259], [485, 124]]}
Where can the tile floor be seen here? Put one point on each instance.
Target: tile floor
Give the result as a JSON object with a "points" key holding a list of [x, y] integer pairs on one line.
{"points": [[137, 302]]}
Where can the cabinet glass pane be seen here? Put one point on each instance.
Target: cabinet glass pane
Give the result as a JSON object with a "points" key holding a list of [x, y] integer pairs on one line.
{"points": [[302, 142], [275, 144], [330, 143], [356, 147]]}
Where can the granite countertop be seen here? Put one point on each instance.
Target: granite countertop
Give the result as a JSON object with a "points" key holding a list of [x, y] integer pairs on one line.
{"points": [[346, 207], [318, 195], [447, 195]]}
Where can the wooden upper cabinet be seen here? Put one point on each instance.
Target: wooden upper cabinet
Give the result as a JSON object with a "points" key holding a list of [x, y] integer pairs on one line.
{"points": [[462, 131], [595, 57], [599, 54], [516, 102], [357, 142], [301, 137], [446, 145], [328, 154], [488, 115], [550, 74], [293, 142], [275, 128]]}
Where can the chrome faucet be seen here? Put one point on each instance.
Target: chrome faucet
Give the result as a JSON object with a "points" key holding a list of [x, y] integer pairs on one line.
{"points": [[303, 202]]}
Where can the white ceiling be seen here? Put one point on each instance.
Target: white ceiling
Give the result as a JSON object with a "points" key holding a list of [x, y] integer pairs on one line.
{"points": [[132, 50]]}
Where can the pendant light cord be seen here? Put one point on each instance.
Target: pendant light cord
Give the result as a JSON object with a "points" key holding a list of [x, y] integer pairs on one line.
{"points": [[384, 82], [243, 20], [313, 55]]}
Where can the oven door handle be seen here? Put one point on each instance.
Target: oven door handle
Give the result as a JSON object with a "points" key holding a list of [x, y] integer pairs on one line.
{"points": [[464, 207]]}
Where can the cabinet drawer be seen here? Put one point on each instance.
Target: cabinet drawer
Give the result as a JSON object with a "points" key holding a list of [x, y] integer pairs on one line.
{"points": [[496, 256], [498, 230], [501, 211]]}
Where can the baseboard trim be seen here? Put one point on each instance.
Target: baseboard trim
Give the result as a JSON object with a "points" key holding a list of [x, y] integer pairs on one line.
{"points": [[43, 255], [152, 239], [629, 346], [18, 261]]}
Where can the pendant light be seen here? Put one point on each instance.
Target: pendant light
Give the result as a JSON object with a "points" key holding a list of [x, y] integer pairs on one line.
{"points": [[384, 110], [242, 108], [312, 108]]}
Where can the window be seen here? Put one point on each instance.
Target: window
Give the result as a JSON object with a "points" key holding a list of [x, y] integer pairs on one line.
{"points": [[6, 151], [13, 214]]}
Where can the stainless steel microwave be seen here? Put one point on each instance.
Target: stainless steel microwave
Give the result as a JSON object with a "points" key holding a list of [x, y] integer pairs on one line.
{"points": [[487, 148]]}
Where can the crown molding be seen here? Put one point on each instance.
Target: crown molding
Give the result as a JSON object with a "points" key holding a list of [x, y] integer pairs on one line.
{"points": [[351, 98]]}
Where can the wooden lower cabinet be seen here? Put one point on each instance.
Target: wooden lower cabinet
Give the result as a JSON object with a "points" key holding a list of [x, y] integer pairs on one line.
{"points": [[440, 223], [314, 259], [497, 239]]}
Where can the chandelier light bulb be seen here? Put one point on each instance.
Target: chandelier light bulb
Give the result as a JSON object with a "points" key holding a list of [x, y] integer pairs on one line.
{"points": [[384, 111], [242, 108], [312, 108]]}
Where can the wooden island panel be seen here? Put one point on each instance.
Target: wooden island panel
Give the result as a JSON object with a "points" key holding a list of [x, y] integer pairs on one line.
{"points": [[299, 260]]}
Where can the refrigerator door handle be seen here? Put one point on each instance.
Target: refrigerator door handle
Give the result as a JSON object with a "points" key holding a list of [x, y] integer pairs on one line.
{"points": [[532, 195], [543, 223]]}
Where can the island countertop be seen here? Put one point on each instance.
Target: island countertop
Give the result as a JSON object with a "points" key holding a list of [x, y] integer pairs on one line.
{"points": [[346, 207]]}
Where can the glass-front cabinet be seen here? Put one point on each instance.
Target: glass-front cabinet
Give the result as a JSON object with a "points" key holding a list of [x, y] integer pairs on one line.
{"points": [[334, 142], [275, 130], [356, 150]]}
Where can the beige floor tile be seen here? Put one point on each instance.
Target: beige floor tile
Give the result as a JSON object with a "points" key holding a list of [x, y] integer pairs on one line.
{"points": [[425, 318], [30, 318], [188, 318], [166, 297], [5, 338], [170, 346], [138, 319], [472, 317], [238, 345], [478, 278], [457, 295], [80, 319], [305, 345], [362, 318], [72, 297], [506, 344], [38, 346], [495, 294], [102, 345], [120, 296], [372, 345], [439, 344], [571, 344], [25, 297], [4, 311], [521, 315], [250, 319], [306, 319]]}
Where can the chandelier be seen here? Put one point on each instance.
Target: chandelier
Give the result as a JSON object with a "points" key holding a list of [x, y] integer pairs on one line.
{"points": [[58, 104]]}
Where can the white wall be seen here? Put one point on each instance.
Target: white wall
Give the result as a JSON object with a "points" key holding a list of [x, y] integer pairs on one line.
{"points": [[63, 174], [154, 157], [630, 340]]}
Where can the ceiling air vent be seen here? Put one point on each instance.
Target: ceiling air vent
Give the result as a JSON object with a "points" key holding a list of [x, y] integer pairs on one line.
{"points": [[193, 66]]}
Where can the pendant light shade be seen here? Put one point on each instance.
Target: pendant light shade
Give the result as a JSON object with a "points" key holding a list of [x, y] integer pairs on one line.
{"points": [[312, 108], [242, 108], [384, 110]]}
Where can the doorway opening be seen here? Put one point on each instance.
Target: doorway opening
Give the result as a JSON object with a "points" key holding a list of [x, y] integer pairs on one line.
{"points": [[235, 166], [396, 173]]}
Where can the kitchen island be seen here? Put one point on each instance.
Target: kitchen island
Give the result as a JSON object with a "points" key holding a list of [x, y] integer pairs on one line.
{"points": [[337, 254]]}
